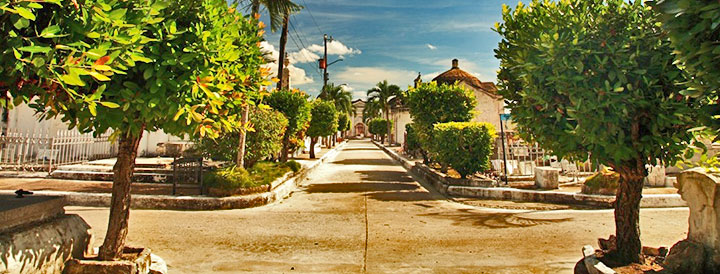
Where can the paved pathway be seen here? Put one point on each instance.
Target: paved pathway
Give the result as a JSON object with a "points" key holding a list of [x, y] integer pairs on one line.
{"points": [[364, 213]]}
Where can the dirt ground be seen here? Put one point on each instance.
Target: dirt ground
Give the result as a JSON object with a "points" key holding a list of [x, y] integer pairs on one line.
{"points": [[363, 213]]}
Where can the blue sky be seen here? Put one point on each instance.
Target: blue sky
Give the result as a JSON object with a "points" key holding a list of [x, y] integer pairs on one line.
{"points": [[391, 40]]}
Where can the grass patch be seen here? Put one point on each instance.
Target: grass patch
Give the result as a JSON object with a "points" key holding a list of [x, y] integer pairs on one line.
{"points": [[264, 173]]}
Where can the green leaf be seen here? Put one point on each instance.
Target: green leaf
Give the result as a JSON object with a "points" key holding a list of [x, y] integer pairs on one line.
{"points": [[51, 32], [92, 35], [35, 49], [109, 104], [93, 108], [25, 13], [72, 79], [99, 76]]}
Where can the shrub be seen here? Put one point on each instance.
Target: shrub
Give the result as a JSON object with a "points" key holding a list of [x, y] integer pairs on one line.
{"points": [[293, 165], [265, 140], [465, 146], [229, 178]]}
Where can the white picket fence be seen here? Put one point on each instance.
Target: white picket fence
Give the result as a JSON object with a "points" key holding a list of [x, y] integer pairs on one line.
{"points": [[36, 151]]}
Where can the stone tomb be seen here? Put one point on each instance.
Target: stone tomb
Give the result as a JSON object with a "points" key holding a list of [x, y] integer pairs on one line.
{"points": [[36, 236], [702, 193]]}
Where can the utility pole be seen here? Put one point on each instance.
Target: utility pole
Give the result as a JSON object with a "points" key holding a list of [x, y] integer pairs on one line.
{"points": [[324, 63], [283, 41]]}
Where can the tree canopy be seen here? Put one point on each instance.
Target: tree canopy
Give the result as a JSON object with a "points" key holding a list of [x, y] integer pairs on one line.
{"points": [[596, 78]]}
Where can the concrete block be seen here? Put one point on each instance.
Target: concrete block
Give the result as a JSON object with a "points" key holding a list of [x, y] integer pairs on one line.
{"points": [[656, 176], [44, 247], [16, 212], [593, 265], [547, 177]]}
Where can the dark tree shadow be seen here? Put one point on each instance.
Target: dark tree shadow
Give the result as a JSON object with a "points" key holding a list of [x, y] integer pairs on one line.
{"points": [[493, 220], [361, 149], [358, 187], [385, 176], [373, 162], [403, 196]]}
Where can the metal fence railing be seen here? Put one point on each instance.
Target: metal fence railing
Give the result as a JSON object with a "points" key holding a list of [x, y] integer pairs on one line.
{"points": [[32, 150], [521, 158]]}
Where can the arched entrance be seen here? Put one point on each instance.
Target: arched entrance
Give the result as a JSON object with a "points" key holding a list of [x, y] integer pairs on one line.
{"points": [[360, 129]]}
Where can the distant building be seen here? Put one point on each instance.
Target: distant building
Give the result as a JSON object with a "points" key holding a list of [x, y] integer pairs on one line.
{"points": [[358, 126], [490, 104]]}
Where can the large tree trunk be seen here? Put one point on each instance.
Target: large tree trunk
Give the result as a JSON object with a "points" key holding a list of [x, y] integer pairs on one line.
{"points": [[114, 243], [627, 213], [286, 148], [240, 162], [255, 7], [283, 42], [313, 140]]}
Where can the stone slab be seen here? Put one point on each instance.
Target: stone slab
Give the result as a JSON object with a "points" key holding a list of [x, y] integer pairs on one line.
{"points": [[16, 212]]}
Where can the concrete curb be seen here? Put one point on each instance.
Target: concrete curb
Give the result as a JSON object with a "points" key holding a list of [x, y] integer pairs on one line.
{"points": [[441, 184], [280, 189], [592, 264]]}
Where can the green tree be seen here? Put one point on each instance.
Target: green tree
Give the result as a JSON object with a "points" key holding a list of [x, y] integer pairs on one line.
{"points": [[595, 78], [465, 146], [412, 141], [192, 60], [379, 127], [323, 122], [692, 28], [431, 103], [343, 123], [263, 141], [294, 105], [382, 93], [372, 110], [276, 10], [339, 96]]}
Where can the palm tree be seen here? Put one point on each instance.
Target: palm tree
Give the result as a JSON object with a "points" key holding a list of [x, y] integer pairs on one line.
{"points": [[279, 11], [340, 97], [372, 110], [383, 93]]}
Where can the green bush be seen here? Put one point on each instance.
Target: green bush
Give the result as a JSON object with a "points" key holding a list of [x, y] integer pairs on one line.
{"points": [[293, 165], [465, 146], [265, 140], [229, 178]]}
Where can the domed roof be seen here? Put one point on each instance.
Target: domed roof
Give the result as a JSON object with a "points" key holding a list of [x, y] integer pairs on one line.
{"points": [[455, 74]]}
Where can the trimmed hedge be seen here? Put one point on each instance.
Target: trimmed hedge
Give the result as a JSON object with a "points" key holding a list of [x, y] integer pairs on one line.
{"points": [[465, 146]]}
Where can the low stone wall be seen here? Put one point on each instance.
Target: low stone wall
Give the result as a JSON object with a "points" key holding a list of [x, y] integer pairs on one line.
{"points": [[441, 183], [280, 189]]}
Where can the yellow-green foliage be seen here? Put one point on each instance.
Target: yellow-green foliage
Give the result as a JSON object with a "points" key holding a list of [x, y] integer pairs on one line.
{"points": [[465, 146], [603, 179]]}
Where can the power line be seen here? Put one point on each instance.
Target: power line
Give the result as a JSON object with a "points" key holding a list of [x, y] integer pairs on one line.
{"points": [[313, 18], [299, 38]]}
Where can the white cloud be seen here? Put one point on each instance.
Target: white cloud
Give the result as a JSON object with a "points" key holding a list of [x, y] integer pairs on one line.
{"points": [[303, 56], [334, 48], [431, 47], [297, 75], [365, 78]]}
